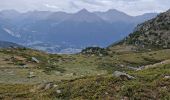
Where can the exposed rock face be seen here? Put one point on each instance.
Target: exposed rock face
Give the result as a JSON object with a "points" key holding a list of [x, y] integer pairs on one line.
{"points": [[153, 33], [122, 75]]}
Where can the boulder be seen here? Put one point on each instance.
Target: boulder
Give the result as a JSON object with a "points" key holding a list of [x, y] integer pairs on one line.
{"points": [[122, 75], [58, 91], [35, 60], [167, 77]]}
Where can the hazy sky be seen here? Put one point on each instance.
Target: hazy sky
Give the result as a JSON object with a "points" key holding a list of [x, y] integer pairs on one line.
{"points": [[132, 7]]}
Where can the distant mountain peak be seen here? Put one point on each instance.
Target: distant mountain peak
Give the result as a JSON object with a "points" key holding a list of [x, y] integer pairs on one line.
{"points": [[112, 10], [113, 15], [83, 11], [85, 16]]}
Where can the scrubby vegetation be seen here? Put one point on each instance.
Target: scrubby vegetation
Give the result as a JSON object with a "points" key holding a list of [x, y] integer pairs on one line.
{"points": [[154, 33], [83, 76], [148, 84], [95, 51]]}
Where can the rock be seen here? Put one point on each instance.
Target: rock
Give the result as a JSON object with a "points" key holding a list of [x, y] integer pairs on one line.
{"points": [[125, 98], [165, 88], [106, 93], [31, 75], [24, 66], [35, 60], [58, 91], [48, 86], [122, 75], [82, 75], [57, 72], [121, 65], [167, 77], [100, 55], [32, 90], [55, 85], [71, 74], [41, 86]]}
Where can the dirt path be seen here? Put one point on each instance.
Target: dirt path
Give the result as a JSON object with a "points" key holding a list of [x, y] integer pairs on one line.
{"points": [[155, 65]]}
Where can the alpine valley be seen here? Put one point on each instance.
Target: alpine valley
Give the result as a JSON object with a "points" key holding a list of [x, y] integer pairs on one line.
{"points": [[134, 68], [61, 32]]}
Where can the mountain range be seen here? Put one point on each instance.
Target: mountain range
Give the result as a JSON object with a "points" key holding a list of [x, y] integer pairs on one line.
{"points": [[68, 31], [5, 44]]}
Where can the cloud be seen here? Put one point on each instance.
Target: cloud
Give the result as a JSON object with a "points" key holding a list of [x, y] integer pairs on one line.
{"points": [[51, 6], [133, 7]]}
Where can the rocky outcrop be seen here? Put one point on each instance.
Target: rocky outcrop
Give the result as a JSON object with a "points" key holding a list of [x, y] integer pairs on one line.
{"points": [[154, 33], [122, 75]]}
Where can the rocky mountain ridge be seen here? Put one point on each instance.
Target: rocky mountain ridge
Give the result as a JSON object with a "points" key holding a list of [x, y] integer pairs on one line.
{"points": [[154, 33]]}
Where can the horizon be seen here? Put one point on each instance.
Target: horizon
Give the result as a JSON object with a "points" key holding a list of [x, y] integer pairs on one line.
{"points": [[130, 7], [79, 11]]}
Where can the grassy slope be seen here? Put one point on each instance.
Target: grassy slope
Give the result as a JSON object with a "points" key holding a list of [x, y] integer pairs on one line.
{"points": [[83, 76], [149, 84]]}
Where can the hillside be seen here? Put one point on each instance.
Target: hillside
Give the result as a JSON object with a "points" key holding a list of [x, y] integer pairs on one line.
{"points": [[154, 33], [33, 74]]}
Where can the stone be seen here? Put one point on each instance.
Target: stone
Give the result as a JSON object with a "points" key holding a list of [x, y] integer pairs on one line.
{"points": [[121, 65], [24, 66], [31, 75], [122, 75], [55, 85], [167, 77], [125, 98], [48, 86], [45, 86], [57, 72], [100, 55], [58, 91], [82, 75], [106, 93], [41, 86], [35, 60]]}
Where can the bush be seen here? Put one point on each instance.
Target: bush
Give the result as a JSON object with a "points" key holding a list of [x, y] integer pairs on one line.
{"points": [[95, 50]]}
